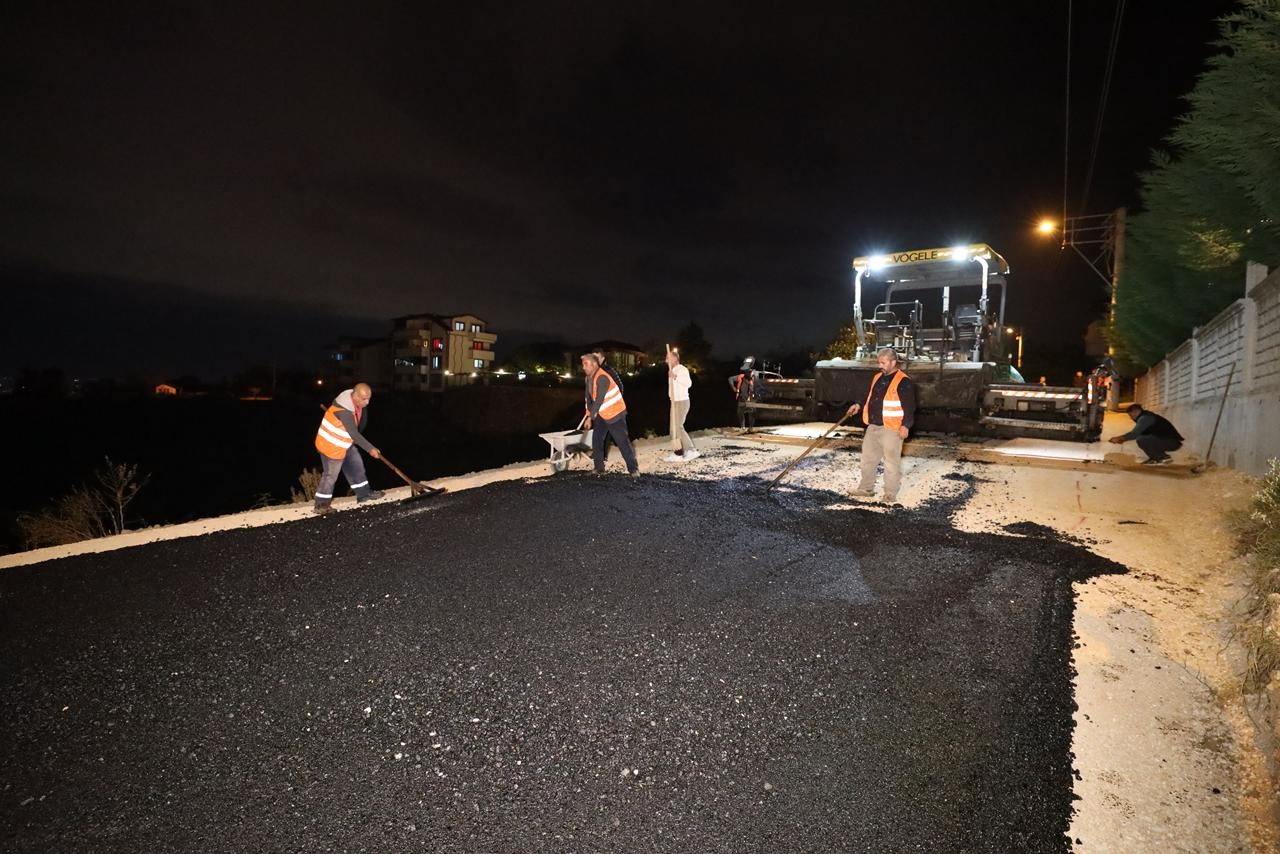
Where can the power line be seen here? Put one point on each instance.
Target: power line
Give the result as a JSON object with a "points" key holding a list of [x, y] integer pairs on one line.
{"points": [[1102, 101], [1066, 120]]}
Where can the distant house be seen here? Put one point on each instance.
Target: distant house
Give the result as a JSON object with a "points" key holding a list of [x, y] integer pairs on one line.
{"points": [[360, 360], [166, 390], [424, 352], [431, 352], [625, 358]]}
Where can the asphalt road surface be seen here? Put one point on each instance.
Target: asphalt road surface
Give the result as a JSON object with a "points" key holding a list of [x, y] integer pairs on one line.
{"points": [[578, 664]]}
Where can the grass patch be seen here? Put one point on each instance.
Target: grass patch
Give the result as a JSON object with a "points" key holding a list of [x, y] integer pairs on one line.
{"points": [[1257, 531]]}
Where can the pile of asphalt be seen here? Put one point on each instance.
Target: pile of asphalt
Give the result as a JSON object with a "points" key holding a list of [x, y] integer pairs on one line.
{"points": [[573, 665]]}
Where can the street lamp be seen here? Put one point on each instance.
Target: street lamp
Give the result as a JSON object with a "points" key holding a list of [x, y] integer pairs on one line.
{"points": [[1047, 226], [1009, 330]]}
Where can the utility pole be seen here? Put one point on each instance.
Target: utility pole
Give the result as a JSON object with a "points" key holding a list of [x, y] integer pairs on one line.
{"points": [[1117, 266], [1099, 240]]}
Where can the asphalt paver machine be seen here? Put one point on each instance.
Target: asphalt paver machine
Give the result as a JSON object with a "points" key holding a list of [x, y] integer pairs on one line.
{"points": [[936, 308]]}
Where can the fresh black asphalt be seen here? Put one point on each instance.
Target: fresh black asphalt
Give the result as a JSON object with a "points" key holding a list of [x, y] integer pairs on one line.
{"points": [[578, 664]]}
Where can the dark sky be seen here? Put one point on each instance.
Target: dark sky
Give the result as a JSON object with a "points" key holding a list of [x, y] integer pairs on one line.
{"points": [[259, 174]]}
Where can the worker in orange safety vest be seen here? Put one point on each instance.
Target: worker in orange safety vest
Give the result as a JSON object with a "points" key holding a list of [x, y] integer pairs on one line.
{"points": [[338, 439], [744, 388], [606, 415], [888, 413]]}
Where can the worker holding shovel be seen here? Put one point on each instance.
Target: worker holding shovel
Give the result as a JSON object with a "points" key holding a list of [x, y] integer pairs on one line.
{"points": [[336, 440]]}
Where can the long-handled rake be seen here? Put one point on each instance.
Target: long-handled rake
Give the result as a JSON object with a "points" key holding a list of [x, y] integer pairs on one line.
{"points": [[1204, 464], [806, 453]]}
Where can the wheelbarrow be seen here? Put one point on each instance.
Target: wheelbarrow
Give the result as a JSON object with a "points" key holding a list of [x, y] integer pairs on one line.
{"points": [[567, 444]]}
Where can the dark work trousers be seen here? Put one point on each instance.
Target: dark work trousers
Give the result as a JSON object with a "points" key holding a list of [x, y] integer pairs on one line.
{"points": [[352, 466], [746, 417], [1158, 447], [600, 430]]}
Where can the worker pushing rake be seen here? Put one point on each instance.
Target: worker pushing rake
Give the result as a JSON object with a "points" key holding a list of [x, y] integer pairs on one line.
{"points": [[887, 415], [339, 439]]}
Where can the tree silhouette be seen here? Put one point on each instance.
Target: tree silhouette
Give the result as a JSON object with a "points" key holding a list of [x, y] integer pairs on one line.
{"points": [[695, 349], [1210, 204]]}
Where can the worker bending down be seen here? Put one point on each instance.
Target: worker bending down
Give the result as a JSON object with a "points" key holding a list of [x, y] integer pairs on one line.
{"points": [[1155, 435], [336, 440], [888, 413]]}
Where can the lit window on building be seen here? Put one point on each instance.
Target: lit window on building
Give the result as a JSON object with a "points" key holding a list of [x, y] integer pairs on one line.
{"points": [[459, 326], [435, 362], [475, 327]]}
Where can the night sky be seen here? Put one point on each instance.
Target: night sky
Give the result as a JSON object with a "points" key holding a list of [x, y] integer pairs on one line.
{"points": [[190, 187]]}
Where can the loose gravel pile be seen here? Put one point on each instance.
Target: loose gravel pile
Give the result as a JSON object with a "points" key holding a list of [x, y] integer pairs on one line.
{"points": [[578, 664]]}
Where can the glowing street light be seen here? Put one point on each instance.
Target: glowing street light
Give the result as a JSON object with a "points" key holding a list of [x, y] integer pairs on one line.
{"points": [[1047, 226], [1017, 336]]}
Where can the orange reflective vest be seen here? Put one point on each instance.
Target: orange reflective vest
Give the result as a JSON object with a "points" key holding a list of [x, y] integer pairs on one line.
{"points": [[892, 413], [613, 405], [332, 439]]}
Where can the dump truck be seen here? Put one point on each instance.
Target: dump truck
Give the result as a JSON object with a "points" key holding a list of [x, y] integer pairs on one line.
{"points": [[935, 308]]}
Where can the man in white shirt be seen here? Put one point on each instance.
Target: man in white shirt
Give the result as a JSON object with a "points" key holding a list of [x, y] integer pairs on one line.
{"points": [[678, 383]]}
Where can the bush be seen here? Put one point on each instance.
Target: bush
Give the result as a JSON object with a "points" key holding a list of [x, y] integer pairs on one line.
{"points": [[308, 481], [1259, 536], [95, 509]]}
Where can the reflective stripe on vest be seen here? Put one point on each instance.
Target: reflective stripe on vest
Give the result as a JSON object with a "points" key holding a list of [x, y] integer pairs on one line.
{"points": [[613, 405], [332, 439], [891, 412]]}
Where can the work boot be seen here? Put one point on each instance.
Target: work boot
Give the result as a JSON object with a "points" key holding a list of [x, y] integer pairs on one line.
{"points": [[371, 495], [322, 508]]}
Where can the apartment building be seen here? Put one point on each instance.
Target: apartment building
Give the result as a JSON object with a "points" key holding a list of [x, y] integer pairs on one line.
{"points": [[432, 352]]}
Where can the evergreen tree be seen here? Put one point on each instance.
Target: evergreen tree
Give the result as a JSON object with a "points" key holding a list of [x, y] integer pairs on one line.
{"points": [[844, 345], [1214, 202]]}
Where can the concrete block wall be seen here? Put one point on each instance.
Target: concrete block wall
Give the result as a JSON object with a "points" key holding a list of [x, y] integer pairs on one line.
{"points": [[1187, 386]]}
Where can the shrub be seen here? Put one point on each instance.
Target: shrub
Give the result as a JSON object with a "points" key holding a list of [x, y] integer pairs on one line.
{"points": [[1259, 535], [94, 509], [308, 481]]}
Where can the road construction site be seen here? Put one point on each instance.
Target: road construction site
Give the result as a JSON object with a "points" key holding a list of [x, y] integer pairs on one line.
{"points": [[1031, 653]]}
